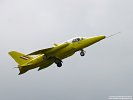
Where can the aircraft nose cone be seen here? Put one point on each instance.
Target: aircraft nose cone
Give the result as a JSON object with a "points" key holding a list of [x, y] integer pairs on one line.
{"points": [[97, 38], [101, 37], [94, 39]]}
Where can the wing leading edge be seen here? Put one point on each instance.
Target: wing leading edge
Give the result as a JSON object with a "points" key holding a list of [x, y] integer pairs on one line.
{"points": [[51, 50]]}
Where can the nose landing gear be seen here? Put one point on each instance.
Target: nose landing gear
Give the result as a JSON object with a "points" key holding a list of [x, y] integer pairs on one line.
{"points": [[82, 53]]}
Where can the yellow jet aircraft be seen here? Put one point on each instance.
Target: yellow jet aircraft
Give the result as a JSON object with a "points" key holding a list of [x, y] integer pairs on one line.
{"points": [[46, 57]]}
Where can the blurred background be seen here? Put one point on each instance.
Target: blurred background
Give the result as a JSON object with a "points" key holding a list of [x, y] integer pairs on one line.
{"points": [[30, 25]]}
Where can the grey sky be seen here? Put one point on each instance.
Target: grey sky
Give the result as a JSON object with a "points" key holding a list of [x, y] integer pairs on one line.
{"points": [[106, 70]]}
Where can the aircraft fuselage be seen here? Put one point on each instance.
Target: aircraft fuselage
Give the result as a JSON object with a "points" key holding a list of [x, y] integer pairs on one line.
{"points": [[46, 57]]}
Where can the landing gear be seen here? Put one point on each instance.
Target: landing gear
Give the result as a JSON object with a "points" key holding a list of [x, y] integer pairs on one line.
{"points": [[58, 62], [82, 53]]}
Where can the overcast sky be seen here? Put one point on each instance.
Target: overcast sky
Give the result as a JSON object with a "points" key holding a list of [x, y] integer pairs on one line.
{"points": [[107, 68]]}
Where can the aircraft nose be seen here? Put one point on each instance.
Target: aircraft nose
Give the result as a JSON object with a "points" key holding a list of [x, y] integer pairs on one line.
{"points": [[89, 41], [101, 37], [92, 40], [96, 38]]}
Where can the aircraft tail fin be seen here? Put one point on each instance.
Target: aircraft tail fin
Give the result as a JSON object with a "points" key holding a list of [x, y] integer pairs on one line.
{"points": [[19, 57]]}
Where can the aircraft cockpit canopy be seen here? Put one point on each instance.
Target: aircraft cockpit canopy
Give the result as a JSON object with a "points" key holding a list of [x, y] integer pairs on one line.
{"points": [[76, 39]]}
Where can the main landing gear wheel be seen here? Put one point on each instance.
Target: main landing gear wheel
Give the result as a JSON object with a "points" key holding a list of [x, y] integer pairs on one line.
{"points": [[59, 64], [82, 53]]}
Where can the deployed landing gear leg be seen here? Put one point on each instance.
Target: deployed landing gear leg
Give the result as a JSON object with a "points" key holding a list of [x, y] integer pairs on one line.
{"points": [[58, 62], [82, 53]]}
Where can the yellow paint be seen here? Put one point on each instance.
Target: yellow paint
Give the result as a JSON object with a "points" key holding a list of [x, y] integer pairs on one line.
{"points": [[45, 57]]}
